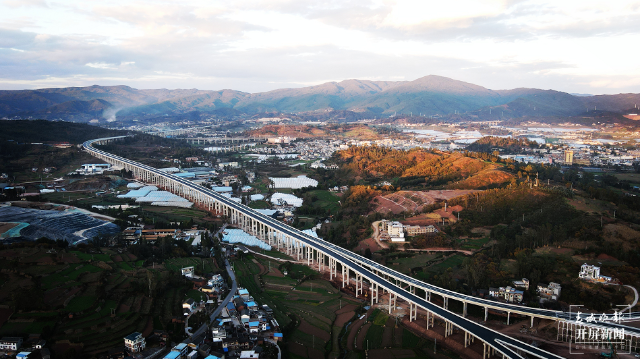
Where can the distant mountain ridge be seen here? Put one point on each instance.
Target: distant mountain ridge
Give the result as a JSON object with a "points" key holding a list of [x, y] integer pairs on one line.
{"points": [[428, 95]]}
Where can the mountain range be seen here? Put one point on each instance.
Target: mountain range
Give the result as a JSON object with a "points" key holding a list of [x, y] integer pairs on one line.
{"points": [[426, 96]]}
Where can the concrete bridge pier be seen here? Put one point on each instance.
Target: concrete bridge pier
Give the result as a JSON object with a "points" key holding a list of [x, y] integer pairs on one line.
{"points": [[468, 339], [392, 301], [445, 303], [448, 328], [377, 287], [486, 313], [413, 311], [299, 250], [430, 319], [464, 309]]}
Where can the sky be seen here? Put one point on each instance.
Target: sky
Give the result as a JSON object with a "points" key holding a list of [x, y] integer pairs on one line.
{"points": [[576, 46]]}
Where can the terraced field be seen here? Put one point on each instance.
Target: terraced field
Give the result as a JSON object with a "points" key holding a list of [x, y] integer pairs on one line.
{"points": [[90, 298], [320, 310]]}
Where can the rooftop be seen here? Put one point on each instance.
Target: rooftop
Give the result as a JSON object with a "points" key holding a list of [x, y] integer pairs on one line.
{"points": [[133, 336]]}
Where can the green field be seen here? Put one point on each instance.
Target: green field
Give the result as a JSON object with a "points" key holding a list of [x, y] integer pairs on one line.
{"points": [[259, 205], [405, 264], [451, 262], [78, 304], [474, 243], [70, 274], [95, 257], [88, 304], [326, 200]]}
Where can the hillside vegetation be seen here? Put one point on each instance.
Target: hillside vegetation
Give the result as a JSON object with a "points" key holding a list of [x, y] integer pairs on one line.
{"points": [[418, 167], [425, 96], [46, 131]]}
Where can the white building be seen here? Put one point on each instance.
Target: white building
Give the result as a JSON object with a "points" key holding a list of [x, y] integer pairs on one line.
{"points": [[588, 271], [524, 283], [280, 139], [592, 273], [188, 271], [93, 168], [222, 165], [10, 343], [396, 231], [549, 292], [134, 342]]}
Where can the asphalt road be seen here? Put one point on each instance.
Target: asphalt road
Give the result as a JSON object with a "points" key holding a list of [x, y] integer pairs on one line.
{"points": [[216, 313]]}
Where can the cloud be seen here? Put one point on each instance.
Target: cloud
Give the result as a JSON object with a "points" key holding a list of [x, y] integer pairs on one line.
{"points": [[569, 45], [24, 3]]}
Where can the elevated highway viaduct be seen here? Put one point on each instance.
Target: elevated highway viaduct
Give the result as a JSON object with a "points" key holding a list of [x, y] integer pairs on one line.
{"points": [[380, 279]]}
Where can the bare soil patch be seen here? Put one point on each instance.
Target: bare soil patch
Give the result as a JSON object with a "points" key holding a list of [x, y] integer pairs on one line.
{"points": [[4, 226], [449, 213], [343, 318], [276, 272], [346, 308], [391, 353], [387, 335], [148, 329], [606, 257], [316, 353], [297, 349], [117, 258], [555, 250], [311, 330], [414, 200], [45, 259], [262, 269], [623, 234], [352, 333], [362, 335], [68, 258], [367, 243], [123, 308], [484, 179], [5, 313]]}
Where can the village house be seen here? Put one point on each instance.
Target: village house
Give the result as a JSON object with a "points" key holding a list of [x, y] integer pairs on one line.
{"points": [[189, 304], [134, 342], [10, 343], [592, 273], [524, 283], [549, 292]]}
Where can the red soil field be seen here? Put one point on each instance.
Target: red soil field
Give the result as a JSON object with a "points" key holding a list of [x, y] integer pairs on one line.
{"points": [[343, 318], [413, 200], [310, 329]]}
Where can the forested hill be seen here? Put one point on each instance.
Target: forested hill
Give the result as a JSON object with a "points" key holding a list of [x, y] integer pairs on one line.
{"points": [[346, 100], [489, 144], [29, 131], [419, 167]]}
